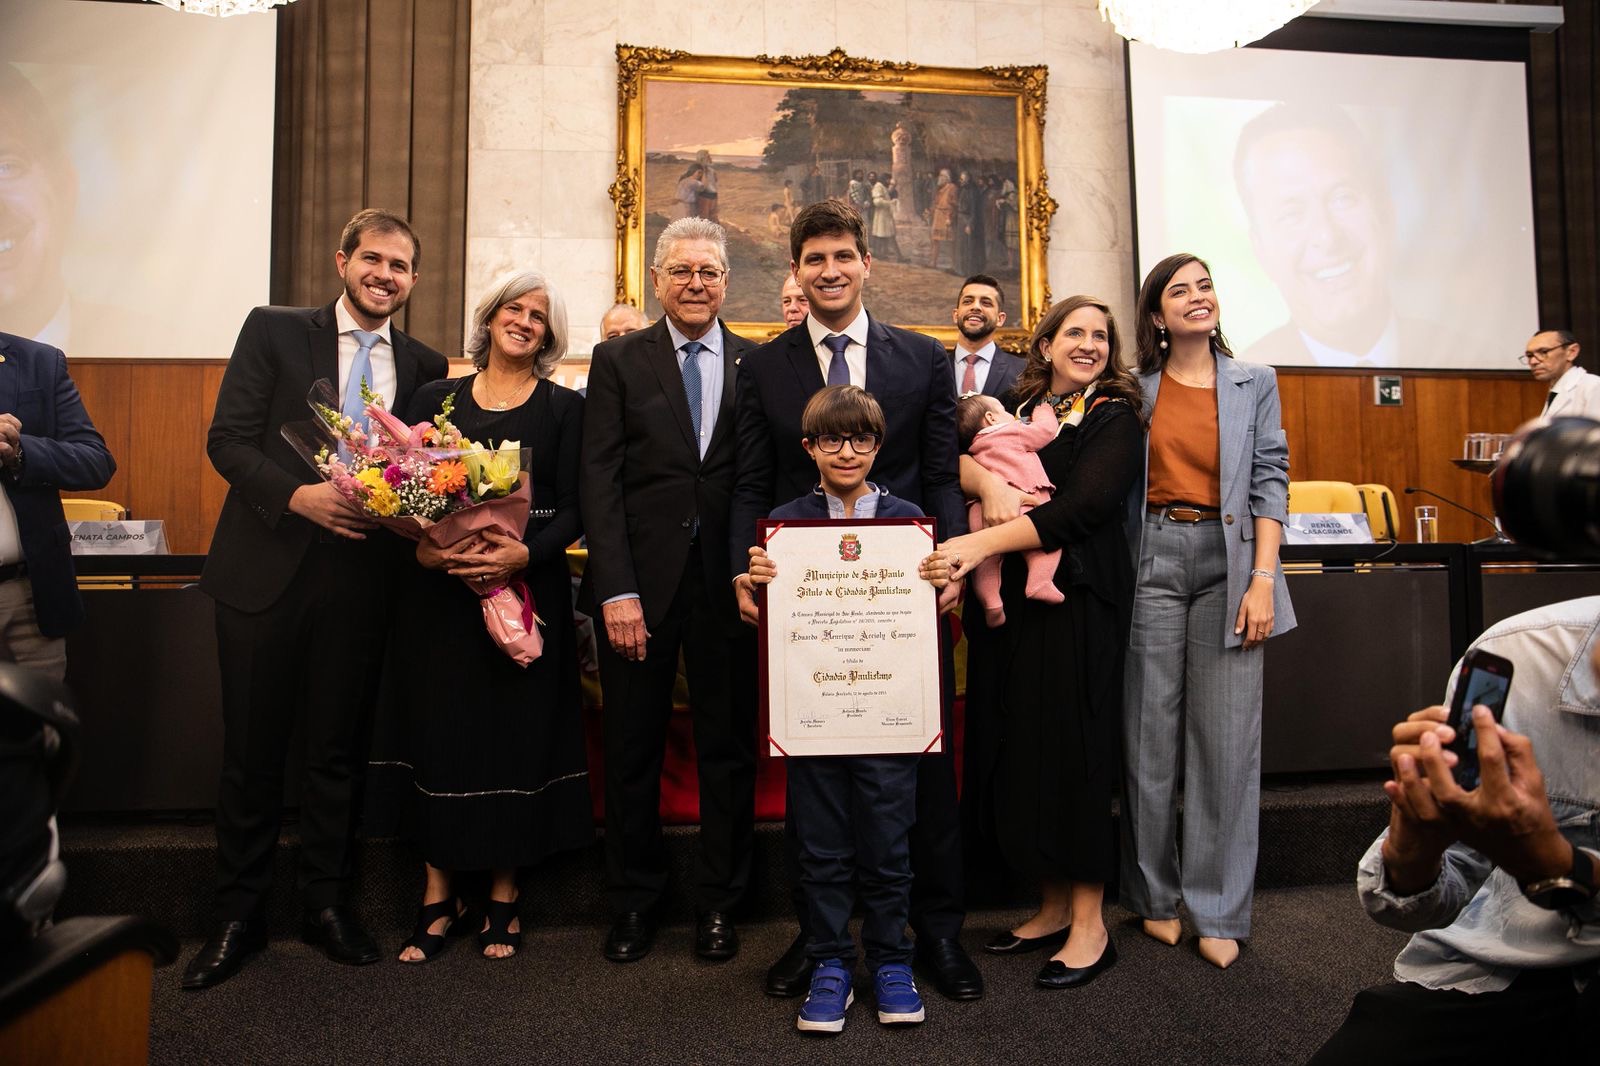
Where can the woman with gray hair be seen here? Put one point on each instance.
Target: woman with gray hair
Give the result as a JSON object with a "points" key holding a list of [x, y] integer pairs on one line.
{"points": [[492, 769]]}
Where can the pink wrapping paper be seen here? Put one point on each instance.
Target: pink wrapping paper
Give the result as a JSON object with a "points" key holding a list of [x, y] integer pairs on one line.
{"points": [[508, 610]]}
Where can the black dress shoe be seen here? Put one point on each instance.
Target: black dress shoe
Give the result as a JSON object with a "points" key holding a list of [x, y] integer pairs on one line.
{"points": [[791, 974], [631, 937], [1009, 943], [952, 970], [224, 951], [715, 937], [341, 938], [1060, 975]]}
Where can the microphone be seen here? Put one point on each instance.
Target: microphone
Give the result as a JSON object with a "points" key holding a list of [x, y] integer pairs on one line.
{"points": [[1458, 506]]}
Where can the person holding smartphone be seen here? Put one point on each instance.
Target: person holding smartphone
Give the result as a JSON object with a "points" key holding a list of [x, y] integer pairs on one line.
{"points": [[1498, 882]]}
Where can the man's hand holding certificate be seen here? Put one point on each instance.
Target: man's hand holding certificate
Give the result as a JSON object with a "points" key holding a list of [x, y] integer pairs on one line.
{"points": [[850, 635]]}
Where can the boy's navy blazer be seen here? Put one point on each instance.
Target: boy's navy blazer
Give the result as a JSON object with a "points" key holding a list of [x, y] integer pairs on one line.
{"points": [[815, 505]]}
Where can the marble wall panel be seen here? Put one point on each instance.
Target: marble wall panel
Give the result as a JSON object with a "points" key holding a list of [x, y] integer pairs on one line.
{"points": [[505, 193]]}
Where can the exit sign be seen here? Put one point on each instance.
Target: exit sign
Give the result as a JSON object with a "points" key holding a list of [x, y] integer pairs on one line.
{"points": [[1386, 391]]}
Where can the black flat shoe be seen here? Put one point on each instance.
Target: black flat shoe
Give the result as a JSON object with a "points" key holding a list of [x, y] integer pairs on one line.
{"points": [[341, 938], [791, 974], [952, 969], [1009, 943], [1060, 975], [715, 938], [631, 937], [224, 952]]}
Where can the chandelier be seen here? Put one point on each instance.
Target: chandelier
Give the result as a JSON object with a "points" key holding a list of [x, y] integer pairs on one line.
{"points": [[223, 8], [1186, 26]]}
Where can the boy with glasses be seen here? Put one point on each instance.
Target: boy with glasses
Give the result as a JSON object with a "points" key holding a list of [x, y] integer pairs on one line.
{"points": [[852, 815]]}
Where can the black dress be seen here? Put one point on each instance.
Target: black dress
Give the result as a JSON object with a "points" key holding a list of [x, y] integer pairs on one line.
{"points": [[1061, 694], [483, 760]]}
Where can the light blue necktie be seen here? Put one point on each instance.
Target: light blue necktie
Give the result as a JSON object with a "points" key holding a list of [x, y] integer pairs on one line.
{"points": [[838, 369], [691, 385], [360, 370]]}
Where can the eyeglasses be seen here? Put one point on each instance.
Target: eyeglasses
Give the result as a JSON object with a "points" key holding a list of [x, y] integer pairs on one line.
{"points": [[1539, 354], [680, 275], [860, 443]]}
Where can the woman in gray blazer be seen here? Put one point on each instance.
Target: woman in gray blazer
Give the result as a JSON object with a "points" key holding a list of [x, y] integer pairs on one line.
{"points": [[1204, 527]]}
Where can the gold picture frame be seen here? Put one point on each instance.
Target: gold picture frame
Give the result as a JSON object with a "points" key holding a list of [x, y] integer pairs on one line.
{"points": [[674, 108]]}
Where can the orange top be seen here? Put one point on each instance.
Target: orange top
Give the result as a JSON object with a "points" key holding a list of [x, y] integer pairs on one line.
{"points": [[1185, 457]]}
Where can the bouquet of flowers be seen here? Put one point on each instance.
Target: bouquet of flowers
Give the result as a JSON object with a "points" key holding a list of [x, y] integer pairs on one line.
{"points": [[428, 481]]}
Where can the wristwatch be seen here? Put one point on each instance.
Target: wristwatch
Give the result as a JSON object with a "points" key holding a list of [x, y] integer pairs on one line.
{"points": [[1569, 890]]}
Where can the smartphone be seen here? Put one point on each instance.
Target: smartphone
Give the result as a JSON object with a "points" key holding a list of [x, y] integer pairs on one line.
{"points": [[1485, 678]]}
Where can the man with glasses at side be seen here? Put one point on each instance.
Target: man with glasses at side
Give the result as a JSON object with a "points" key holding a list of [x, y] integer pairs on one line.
{"points": [[1552, 358], [658, 466]]}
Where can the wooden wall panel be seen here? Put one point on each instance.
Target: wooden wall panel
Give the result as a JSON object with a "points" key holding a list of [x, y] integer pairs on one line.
{"points": [[1344, 436], [154, 415]]}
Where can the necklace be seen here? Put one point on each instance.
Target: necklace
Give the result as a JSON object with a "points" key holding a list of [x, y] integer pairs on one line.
{"points": [[1180, 379], [507, 402]]}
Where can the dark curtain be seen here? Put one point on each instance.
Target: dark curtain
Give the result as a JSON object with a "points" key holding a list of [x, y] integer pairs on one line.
{"points": [[372, 112], [1563, 83]]}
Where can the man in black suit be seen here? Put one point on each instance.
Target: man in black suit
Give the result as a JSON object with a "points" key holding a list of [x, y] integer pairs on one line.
{"points": [[980, 365], [301, 594], [839, 343], [658, 466]]}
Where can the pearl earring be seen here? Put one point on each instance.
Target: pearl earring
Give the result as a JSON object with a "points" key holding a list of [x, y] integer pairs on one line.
{"points": [[1213, 331], [1163, 330]]}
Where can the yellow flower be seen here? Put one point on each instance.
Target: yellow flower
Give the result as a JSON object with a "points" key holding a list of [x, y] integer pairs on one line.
{"points": [[495, 473], [381, 499]]}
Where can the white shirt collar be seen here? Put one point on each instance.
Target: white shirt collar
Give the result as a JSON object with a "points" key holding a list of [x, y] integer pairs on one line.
{"points": [[1384, 353], [984, 354], [347, 322], [856, 330], [712, 338], [1569, 381]]}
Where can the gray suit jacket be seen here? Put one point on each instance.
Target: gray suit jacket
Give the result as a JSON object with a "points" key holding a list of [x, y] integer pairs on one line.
{"points": [[1254, 461]]}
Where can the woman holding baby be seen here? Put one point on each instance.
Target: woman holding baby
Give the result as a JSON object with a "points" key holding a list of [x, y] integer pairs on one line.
{"points": [[1062, 646]]}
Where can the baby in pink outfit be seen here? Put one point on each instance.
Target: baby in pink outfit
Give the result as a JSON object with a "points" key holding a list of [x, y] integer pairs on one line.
{"points": [[1005, 445]]}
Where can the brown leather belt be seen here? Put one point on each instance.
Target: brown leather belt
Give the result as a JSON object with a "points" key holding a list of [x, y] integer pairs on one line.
{"points": [[1182, 512]]}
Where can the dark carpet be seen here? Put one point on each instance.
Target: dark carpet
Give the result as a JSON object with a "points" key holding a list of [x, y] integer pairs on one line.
{"points": [[560, 1001]]}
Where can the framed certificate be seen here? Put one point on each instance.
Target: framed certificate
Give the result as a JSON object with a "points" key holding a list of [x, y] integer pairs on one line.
{"points": [[850, 661]]}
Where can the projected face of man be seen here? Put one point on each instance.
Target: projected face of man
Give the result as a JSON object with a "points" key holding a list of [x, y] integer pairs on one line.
{"points": [[1320, 226], [37, 201]]}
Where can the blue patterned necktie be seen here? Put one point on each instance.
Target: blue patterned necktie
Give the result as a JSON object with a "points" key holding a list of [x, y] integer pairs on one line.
{"points": [[691, 385], [360, 369], [838, 369]]}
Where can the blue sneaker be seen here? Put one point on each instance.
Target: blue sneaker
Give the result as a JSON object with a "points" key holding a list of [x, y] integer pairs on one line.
{"points": [[830, 996], [898, 1001]]}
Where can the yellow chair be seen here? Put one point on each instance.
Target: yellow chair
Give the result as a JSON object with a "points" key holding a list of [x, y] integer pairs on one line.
{"points": [[1324, 497], [81, 510], [1381, 519]]}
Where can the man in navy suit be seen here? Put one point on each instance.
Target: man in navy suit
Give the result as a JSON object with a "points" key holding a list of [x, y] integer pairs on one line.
{"points": [[840, 344], [980, 365], [47, 444], [300, 592]]}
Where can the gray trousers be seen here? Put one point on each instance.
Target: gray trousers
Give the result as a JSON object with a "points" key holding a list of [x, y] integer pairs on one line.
{"points": [[1193, 706]]}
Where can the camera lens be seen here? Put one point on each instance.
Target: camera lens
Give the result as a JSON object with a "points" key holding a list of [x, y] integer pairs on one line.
{"points": [[1547, 488]]}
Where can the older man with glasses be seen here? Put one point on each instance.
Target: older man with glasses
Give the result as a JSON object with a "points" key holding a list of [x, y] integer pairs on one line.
{"points": [[1552, 358], [659, 459]]}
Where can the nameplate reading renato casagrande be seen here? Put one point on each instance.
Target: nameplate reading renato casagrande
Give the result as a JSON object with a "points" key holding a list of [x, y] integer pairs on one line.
{"points": [[850, 639]]}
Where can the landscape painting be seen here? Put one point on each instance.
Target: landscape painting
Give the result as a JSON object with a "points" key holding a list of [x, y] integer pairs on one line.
{"points": [[942, 165]]}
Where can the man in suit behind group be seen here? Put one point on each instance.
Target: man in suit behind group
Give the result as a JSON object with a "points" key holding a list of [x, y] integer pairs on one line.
{"points": [[658, 467], [980, 365], [840, 344], [300, 594]]}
